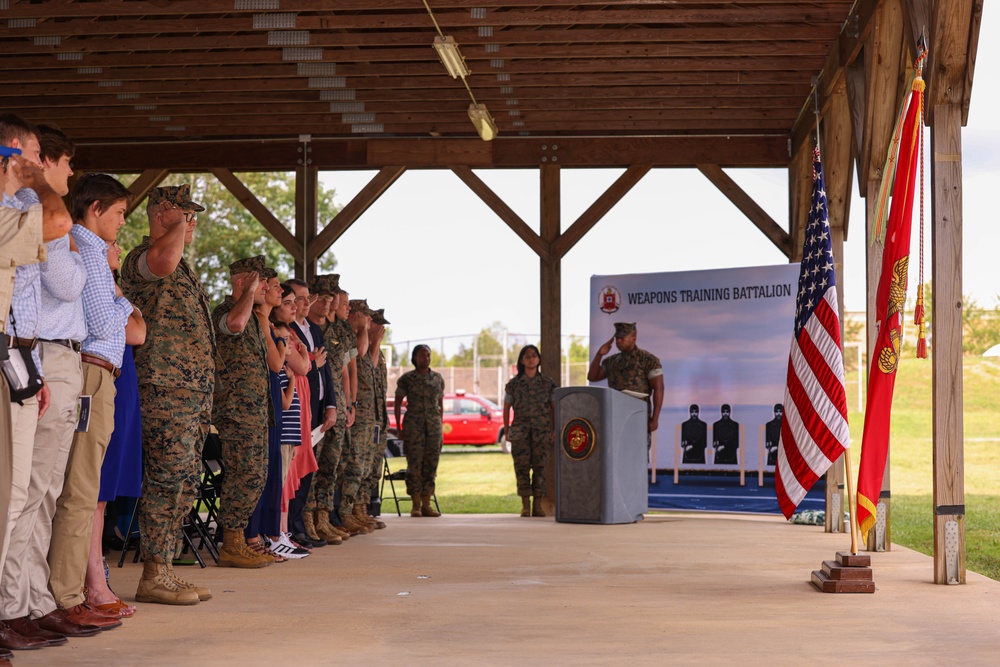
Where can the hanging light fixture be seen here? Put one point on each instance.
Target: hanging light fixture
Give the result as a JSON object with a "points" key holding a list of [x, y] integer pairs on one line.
{"points": [[483, 121], [447, 50]]}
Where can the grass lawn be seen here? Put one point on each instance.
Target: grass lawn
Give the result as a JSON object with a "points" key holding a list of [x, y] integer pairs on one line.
{"points": [[474, 480]]}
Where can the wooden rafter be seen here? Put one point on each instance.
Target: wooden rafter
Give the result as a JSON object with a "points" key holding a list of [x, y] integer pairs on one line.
{"points": [[750, 208]]}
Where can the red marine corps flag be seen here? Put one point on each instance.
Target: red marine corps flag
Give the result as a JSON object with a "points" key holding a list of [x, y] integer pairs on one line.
{"points": [[814, 431], [889, 302]]}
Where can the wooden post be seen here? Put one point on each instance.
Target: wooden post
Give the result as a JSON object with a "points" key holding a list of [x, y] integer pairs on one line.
{"points": [[306, 188], [838, 173], [550, 301], [949, 466]]}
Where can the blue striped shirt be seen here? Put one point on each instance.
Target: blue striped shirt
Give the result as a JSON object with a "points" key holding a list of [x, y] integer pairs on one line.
{"points": [[106, 314], [291, 419]]}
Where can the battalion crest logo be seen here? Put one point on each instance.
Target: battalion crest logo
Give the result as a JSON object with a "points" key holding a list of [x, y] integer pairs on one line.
{"points": [[578, 439], [609, 300]]}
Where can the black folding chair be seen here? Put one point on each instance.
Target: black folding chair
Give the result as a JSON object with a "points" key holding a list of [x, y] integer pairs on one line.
{"points": [[393, 449]]}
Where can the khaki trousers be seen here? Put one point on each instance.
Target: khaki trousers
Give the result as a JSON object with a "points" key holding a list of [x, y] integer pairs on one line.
{"points": [[6, 452], [24, 587], [23, 421], [74, 519]]}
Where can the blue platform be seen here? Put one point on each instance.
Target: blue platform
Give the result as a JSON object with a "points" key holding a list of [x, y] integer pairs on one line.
{"points": [[723, 493]]}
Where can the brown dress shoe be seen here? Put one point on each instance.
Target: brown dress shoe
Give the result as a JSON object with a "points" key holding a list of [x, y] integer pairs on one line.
{"points": [[6, 654], [26, 627], [17, 642], [83, 615], [57, 621]]}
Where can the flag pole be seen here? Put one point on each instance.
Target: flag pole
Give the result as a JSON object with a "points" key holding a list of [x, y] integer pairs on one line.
{"points": [[847, 453], [850, 500]]}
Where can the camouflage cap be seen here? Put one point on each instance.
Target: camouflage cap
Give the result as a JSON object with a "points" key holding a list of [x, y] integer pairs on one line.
{"points": [[178, 195], [378, 317], [360, 306], [623, 329], [325, 283], [268, 273], [249, 264]]}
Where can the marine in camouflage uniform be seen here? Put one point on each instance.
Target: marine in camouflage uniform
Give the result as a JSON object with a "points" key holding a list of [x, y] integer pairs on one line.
{"points": [[242, 408], [530, 434], [632, 369], [357, 459], [176, 374], [340, 345], [371, 482], [423, 390]]}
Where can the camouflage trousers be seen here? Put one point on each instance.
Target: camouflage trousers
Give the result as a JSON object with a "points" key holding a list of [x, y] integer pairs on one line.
{"points": [[357, 461], [244, 457], [328, 455], [529, 447], [370, 484], [174, 427], [422, 441]]}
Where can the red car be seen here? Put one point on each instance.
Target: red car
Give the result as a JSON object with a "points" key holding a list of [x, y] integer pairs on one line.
{"points": [[468, 420]]}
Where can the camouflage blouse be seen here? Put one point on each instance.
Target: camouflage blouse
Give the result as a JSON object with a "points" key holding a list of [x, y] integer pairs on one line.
{"points": [[531, 399], [243, 394], [424, 393], [632, 371], [180, 347]]}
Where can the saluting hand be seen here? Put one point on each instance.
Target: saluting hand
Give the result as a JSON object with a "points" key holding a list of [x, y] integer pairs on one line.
{"points": [[604, 349]]}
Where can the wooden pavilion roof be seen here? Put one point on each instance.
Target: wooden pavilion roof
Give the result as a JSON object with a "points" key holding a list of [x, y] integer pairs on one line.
{"points": [[605, 83]]}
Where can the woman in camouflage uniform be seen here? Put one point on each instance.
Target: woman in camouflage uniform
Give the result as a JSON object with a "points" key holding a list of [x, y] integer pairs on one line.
{"points": [[530, 394], [422, 437]]}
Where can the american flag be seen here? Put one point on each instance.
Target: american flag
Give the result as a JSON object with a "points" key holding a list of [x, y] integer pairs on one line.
{"points": [[814, 430]]}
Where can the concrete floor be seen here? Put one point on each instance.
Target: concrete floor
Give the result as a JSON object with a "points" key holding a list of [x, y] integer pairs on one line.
{"points": [[677, 589]]}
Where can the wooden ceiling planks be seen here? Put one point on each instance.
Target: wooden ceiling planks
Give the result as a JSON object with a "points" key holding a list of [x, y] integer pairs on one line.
{"points": [[195, 72]]}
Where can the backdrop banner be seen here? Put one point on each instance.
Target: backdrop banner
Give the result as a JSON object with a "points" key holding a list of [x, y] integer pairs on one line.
{"points": [[722, 337]]}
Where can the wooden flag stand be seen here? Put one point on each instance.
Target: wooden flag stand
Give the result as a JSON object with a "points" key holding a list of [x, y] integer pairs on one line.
{"points": [[851, 572]]}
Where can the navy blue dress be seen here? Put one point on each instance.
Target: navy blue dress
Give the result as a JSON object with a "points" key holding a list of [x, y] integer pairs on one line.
{"points": [[121, 472]]}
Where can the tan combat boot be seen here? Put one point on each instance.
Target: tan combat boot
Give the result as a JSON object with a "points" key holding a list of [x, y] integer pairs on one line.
{"points": [[202, 592], [156, 585], [309, 519], [236, 553], [525, 506], [536, 509], [426, 508], [372, 521], [325, 529], [415, 510], [352, 524]]}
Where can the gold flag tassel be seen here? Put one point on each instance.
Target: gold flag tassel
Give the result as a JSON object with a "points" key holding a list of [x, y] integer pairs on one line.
{"points": [[918, 312]]}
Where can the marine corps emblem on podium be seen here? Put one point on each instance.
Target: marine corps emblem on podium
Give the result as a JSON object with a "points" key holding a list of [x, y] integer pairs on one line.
{"points": [[578, 439]]}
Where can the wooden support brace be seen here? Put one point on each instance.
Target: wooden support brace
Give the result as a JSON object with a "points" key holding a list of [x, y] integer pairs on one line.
{"points": [[259, 211], [758, 216], [141, 186], [353, 210]]}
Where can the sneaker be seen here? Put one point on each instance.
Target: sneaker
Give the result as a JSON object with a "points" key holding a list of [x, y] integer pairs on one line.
{"points": [[283, 547]]}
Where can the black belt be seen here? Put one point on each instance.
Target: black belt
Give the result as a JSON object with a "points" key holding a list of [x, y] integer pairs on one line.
{"points": [[65, 342]]}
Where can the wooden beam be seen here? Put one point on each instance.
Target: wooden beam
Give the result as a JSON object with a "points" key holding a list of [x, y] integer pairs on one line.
{"points": [[952, 28], [504, 212], [884, 68], [599, 209], [258, 210], [745, 203], [354, 209], [141, 186], [946, 267], [550, 301]]}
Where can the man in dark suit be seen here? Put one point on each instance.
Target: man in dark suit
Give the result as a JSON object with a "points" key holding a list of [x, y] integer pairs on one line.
{"points": [[311, 313], [726, 438], [772, 435], [694, 438]]}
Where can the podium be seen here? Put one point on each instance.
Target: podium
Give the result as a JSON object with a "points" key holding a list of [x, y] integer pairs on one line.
{"points": [[601, 456]]}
